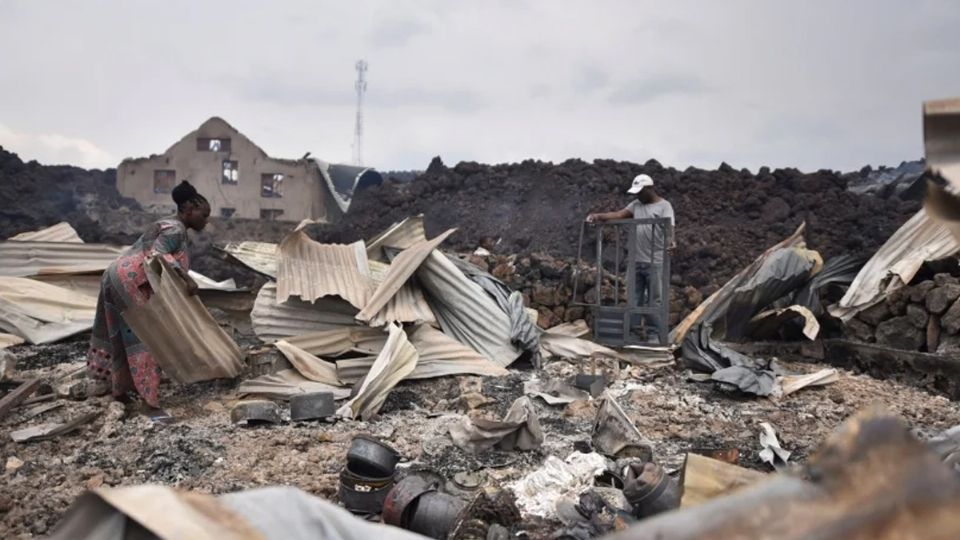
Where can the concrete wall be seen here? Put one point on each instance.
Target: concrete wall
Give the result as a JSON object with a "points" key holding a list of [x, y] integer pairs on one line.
{"points": [[303, 191]]}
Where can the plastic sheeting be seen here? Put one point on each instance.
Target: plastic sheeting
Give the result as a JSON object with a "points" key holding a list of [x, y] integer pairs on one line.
{"points": [[840, 270]]}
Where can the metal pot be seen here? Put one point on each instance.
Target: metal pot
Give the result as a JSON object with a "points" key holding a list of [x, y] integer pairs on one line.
{"points": [[435, 514], [362, 495], [369, 457], [401, 496]]}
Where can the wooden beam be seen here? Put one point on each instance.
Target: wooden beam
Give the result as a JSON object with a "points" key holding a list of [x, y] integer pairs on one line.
{"points": [[17, 396]]}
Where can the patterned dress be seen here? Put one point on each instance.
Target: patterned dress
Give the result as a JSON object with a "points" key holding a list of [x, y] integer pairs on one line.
{"points": [[116, 354]]}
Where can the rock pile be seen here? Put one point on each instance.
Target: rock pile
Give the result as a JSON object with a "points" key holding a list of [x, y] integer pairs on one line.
{"points": [[922, 317], [725, 217], [547, 284]]}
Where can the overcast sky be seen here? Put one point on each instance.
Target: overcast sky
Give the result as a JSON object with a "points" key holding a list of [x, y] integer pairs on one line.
{"points": [[812, 84]]}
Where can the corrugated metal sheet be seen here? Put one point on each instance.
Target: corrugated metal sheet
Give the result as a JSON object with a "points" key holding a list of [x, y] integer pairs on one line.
{"points": [[46, 302], [564, 346], [61, 232], [312, 270], [333, 343], [465, 311], [43, 313], [9, 340], [286, 384], [88, 284], [440, 356], [409, 305], [258, 256], [577, 328], [401, 270], [311, 367], [184, 339], [208, 284], [24, 259], [401, 235], [896, 262], [395, 362], [272, 321]]}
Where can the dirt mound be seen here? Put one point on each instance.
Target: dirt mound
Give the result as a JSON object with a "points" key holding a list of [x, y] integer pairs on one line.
{"points": [[725, 217]]}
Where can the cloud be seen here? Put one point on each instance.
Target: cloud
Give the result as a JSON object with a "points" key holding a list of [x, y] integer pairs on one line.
{"points": [[56, 149], [645, 90], [397, 32]]}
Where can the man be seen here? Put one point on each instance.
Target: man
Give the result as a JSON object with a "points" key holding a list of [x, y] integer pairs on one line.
{"points": [[649, 247]]}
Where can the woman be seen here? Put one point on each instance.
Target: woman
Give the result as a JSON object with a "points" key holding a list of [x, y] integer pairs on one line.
{"points": [[117, 358]]}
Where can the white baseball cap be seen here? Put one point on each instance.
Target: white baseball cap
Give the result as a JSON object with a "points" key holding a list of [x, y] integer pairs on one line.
{"points": [[639, 182]]}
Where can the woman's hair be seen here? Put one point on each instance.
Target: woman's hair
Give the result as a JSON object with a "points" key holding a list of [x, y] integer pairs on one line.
{"points": [[185, 194]]}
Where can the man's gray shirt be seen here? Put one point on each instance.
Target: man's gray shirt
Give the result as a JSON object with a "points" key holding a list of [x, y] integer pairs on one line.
{"points": [[645, 237]]}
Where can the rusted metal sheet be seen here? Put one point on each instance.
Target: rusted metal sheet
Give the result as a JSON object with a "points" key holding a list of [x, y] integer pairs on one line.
{"points": [[24, 259], [403, 267], [465, 311], [395, 362], [312, 270], [402, 235], [273, 321], [870, 480], [61, 232], [185, 340]]}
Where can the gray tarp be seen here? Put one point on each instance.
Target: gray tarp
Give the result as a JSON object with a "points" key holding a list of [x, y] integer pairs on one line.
{"points": [[840, 270], [783, 272], [701, 353]]}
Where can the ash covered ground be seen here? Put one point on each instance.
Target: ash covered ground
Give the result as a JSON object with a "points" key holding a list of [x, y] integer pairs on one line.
{"points": [[204, 451]]}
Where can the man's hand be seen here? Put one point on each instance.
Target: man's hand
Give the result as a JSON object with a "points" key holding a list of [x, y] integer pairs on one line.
{"points": [[592, 218], [192, 287]]}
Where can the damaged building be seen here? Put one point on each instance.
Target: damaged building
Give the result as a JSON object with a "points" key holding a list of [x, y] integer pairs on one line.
{"points": [[241, 180]]}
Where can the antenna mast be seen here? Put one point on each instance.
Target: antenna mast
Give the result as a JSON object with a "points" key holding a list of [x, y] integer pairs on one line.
{"points": [[361, 87]]}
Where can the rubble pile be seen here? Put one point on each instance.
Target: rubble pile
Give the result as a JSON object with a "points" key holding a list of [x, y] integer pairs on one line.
{"points": [[921, 317], [724, 217]]}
